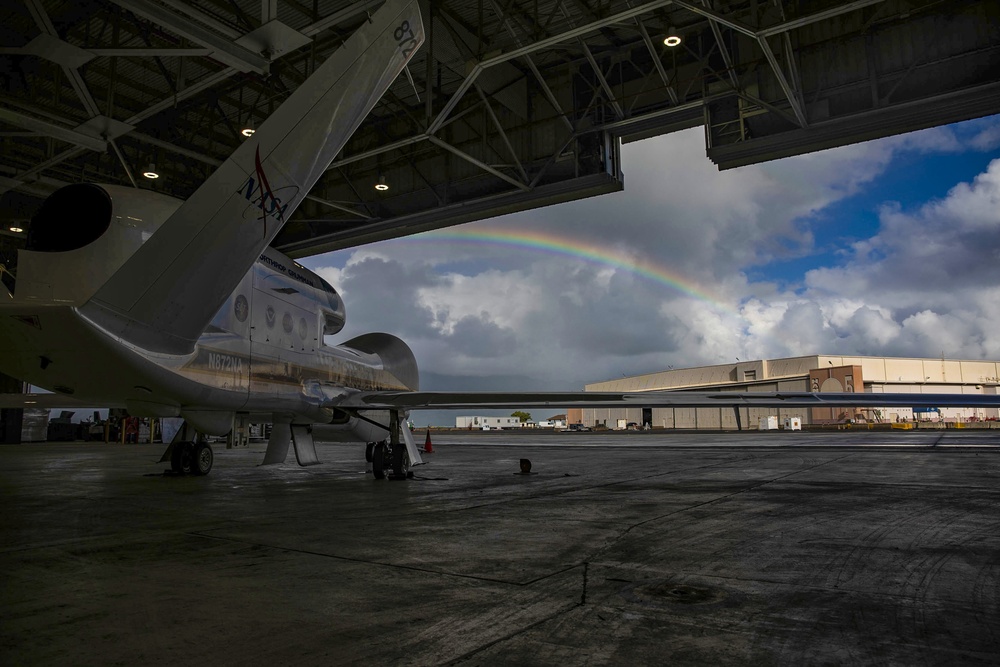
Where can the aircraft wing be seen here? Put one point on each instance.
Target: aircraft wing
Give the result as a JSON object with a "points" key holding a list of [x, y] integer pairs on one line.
{"points": [[442, 400], [164, 296]]}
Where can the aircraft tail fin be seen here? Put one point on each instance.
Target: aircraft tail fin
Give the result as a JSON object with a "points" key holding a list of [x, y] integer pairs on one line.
{"points": [[164, 296]]}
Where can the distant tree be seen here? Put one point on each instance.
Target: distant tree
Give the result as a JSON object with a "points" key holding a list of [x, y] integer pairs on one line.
{"points": [[522, 415]]}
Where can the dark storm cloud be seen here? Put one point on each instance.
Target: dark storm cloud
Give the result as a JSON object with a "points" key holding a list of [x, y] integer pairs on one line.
{"points": [[479, 337], [377, 290], [621, 315]]}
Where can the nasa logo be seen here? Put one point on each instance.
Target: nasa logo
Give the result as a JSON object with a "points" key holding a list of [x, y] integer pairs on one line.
{"points": [[303, 329], [266, 202], [269, 315], [241, 308], [286, 323]]}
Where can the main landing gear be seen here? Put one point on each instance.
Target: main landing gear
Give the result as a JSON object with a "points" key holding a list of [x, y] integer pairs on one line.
{"points": [[388, 460], [391, 458], [187, 454], [194, 458]]}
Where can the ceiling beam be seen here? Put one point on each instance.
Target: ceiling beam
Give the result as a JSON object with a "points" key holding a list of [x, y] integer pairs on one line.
{"points": [[223, 49], [186, 7], [612, 100], [52, 130], [150, 52], [330, 21], [479, 163], [818, 16], [538, 46]]}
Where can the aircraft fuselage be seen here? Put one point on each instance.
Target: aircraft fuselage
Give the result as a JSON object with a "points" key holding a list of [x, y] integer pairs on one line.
{"points": [[265, 353]]}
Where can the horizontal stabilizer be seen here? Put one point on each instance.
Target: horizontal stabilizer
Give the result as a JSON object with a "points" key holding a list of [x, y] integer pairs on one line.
{"points": [[441, 400], [165, 295]]}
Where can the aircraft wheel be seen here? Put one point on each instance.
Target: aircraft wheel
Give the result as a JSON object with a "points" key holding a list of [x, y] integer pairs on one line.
{"points": [[181, 457], [368, 452], [202, 459], [379, 460], [400, 462]]}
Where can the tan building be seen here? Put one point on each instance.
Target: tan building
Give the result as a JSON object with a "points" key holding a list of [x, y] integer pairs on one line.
{"points": [[816, 373]]}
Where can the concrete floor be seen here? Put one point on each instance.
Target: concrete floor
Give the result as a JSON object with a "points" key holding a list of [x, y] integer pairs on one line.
{"points": [[636, 549]]}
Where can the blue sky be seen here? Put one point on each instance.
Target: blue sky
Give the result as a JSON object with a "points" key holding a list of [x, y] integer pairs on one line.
{"points": [[890, 247], [911, 180]]}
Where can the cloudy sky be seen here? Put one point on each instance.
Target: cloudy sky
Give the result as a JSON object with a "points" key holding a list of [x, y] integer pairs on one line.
{"points": [[890, 247]]}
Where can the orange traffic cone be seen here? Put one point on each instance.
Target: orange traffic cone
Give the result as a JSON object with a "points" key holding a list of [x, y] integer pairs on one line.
{"points": [[427, 443]]}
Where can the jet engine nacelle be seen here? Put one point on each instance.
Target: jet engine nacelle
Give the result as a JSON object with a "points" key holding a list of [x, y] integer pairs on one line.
{"points": [[82, 235]]}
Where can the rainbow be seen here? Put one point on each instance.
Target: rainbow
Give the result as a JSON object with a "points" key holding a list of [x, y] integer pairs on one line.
{"points": [[561, 246]]}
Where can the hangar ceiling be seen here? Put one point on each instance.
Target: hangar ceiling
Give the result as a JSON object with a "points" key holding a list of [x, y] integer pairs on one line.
{"points": [[509, 105]]}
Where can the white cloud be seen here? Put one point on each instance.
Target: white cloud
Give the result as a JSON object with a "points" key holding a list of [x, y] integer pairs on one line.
{"points": [[502, 297], [947, 245], [987, 138], [926, 281]]}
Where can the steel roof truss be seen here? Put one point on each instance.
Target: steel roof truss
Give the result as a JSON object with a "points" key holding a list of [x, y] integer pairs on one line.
{"points": [[124, 163], [726, 57], [549, 95], [612, 100], [225, 50], [36, 125], [538, 46], [671, 93], [337, 207], [503, 134], [479, 163]]}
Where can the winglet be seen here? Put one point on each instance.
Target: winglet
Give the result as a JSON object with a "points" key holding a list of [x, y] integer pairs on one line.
{"points": [[164, 296]]}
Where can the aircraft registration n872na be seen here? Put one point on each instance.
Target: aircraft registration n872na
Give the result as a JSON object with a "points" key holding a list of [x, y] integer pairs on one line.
{"points": [[200, 319]]}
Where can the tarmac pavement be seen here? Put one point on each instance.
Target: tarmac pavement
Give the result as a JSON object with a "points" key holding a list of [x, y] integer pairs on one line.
{"points": [[618, 549]]}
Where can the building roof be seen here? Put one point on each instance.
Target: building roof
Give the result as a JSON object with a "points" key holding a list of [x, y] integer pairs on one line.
{"points": [[883, 370]]}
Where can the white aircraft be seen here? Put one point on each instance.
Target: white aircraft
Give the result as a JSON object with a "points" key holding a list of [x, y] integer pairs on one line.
{"points": [[128, 298]]}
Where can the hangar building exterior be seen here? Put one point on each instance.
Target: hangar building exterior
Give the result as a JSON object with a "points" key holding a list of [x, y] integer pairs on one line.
{"points": [[815, 373]]}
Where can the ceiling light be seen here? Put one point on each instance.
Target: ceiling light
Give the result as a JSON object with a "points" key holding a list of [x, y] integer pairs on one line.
{"points": [[16, 230], [672, 39], [248, 130], [151, 171], [381, 186]]}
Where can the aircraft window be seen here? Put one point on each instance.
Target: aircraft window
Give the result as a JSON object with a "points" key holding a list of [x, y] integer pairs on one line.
{"points": [[285, 290]]}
